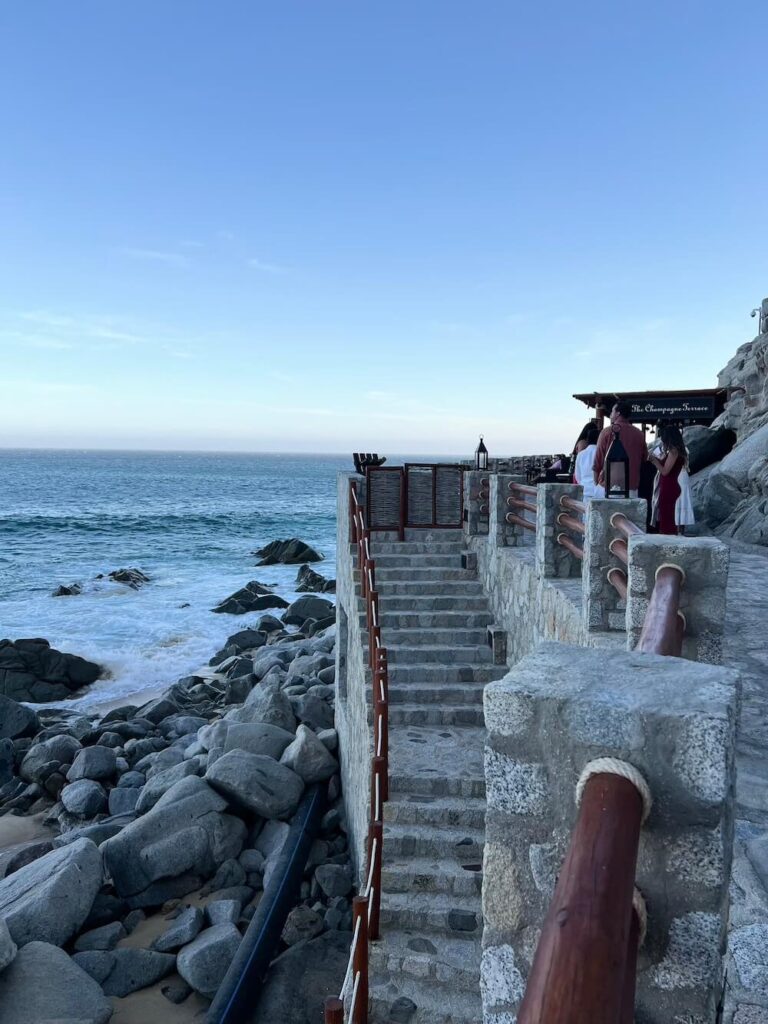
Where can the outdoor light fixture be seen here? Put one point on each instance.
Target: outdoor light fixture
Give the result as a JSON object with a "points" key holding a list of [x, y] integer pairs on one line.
{"points": [[617, 469], [481, 455]]}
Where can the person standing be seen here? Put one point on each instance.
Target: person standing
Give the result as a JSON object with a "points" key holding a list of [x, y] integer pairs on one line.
{"points": [[633, 441], [670, 463], [583, 473]]}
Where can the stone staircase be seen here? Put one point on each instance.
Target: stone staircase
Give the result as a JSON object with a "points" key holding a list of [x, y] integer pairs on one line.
{"points": [[434, 619]]}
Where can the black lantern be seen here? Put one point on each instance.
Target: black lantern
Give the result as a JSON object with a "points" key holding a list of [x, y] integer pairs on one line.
{"points": [[481, 455], [617, 469]]}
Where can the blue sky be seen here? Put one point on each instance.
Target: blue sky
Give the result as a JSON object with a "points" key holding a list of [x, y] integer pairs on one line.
{"points": [[381, 226]]}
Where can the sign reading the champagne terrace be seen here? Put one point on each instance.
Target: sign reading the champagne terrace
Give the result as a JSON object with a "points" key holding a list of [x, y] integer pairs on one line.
{"points": [[688, 407]]}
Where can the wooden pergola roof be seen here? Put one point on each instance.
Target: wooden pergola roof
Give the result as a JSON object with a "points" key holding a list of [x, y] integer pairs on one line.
{"points": [[700, 405]]}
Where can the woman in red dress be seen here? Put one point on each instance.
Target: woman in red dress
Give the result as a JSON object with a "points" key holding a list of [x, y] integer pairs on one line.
{"points": [[674, 458]]}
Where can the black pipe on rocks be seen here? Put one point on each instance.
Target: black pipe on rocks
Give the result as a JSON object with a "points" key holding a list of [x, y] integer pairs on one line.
{"points": [[238, 994]]}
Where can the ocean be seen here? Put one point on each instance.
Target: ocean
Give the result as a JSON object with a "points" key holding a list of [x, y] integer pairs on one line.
{"points": [[190, 520]]}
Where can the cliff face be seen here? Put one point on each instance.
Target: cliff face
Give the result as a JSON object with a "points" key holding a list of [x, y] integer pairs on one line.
{"points": [[731, 496]]}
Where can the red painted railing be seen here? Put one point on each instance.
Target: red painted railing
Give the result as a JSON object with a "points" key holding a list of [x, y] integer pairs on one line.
{"points": [[518, 498], [570, 519], [352, 1003]]}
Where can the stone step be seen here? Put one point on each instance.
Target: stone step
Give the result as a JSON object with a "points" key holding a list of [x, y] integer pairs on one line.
{"points": [[462, 604], [423, 561], [453, 619], [455, 846], [416, 574], [444, 959], [429, 875], [420, 1001], [432, 912], [403, 673], [444, 812], [435, 637], [423, 785], [427, 694], [434, 714], [415, 547], [466, 586], [444, 654], [419, 535]]}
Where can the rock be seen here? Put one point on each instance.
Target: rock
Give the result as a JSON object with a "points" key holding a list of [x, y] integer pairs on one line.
{"points": [[183, 930], [7, 762], [123, 799], [8, 948], [314, 626], [307, 607], [133, 920], [313, 711], [176, 726], [176, 991], [132, 779], [186, 834], [269, 624], [162, 782], [228, 874], [16, 720], [270, 844], [256, 783], [84, 798], [67, 590], [252, 861], [329, 738], [334, 879], [309, 581], [59, 749], [247, 639], [223, 911], [327, 675], [309, 757], [135, 969], [102, 938], [106, 908], [31, 670], [154, 711], [287, 552], [302, 923], [706, 446], [253, 597], [96, 963], [67, 879], [256, 738], [134, 578], [21, 854], [301, 978], [95, 763], [204, 962], [98, 832], [45, 986]]}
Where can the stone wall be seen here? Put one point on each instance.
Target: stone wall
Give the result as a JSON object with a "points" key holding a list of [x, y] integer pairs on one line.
{"points": [[560, 708], [352, 685]]}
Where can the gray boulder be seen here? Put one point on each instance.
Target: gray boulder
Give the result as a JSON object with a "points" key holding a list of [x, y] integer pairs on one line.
{"points": [[67, 878], [313, 711], [7, 762], [269, 624], [308, 756], [97, 963], [185, 832], [45, 986], [334, 879], [204, 962], [134, 969], [256, 783], [269, 844], [300, 979], [253, 597], [266, 703], [247, 639], [31, 670], [8, 948], [61, 749], [287, 552], [308, 581], [183, 930], [67, 590], [133, 578], [95, 763], [307, 607], [104, 938], [162, 782], [254, 737], [123, 799], [223, 911], [16, 720], [301, 924], [84, 799]]}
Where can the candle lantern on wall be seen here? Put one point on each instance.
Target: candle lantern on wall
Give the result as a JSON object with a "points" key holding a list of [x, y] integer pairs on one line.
{"points": [[617, 469], [481, 455]]}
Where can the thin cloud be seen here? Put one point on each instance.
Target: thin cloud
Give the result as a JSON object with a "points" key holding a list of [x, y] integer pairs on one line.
{"points": [[170, 259], [267, 268]]}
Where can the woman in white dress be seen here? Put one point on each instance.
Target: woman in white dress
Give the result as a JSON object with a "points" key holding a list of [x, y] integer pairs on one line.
{"points": [[584, 462]]}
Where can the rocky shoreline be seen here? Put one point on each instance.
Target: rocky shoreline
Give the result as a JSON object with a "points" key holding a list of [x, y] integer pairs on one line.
{"points": [[167, 821]]}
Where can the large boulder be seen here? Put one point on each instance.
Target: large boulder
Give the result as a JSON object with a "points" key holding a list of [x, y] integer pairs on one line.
{"points": [[45, 986], [205, 961], [16, 720], [309, 757], [253, 597], [133, 578], [287, 552], [49, 899], [307, 607], [266, 703], [84, 798], [256, 784], [8, 948], [185, 836], [95, 763], [254, 737], [707, 445], [309, 581], [733, 490], [134, 969], [32, 670], [300, 979], [58, 750]]}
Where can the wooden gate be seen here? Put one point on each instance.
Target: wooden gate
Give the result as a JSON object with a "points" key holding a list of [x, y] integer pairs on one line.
{"points": [[434, 495]]}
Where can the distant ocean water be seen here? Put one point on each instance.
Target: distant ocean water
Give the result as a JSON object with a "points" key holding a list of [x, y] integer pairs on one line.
{"points": [[191, 521]]}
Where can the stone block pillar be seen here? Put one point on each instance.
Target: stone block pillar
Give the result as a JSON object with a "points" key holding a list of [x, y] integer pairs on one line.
{"points": [[559, 708], [603, 608], [551, 559], [475, 522], [508, 534], [705, 561]]}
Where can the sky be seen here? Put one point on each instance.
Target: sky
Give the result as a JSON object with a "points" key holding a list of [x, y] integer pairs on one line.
{"points": [[326, 226]]}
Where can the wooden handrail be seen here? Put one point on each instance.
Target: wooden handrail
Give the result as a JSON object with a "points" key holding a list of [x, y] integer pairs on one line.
{"points": [[359, 1013], [522, 488], [627, 1013], [570, 522], [515, 520], [573, 504], [578, 971], [618, 581], [570, 545], [521, 503], [620, 549], [664, 622], [620, 522], [333, 1010]]}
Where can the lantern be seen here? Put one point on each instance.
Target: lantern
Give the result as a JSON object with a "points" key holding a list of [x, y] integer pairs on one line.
{"points": [[481, 455], [616, 469]]}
